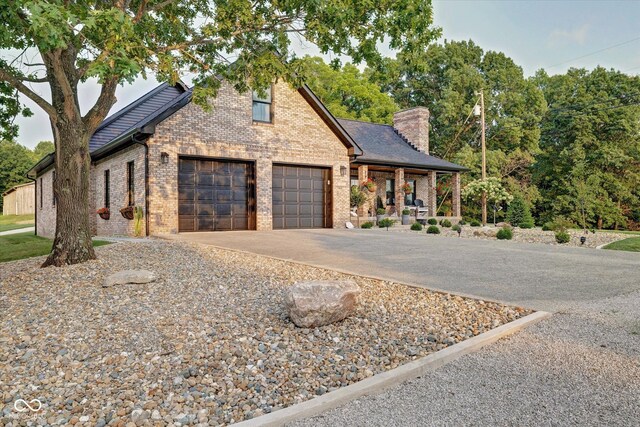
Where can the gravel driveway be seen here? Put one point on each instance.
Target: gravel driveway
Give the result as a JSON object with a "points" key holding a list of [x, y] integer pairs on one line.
{"points": [[208, 342], [579, 368]]}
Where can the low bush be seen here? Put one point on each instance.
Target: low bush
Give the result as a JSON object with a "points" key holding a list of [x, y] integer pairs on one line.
{"points": [[381, 211], [432, 221], [433, 229], [367, 224], [406, 212], [462, 222], [519, 213], [445, 223], [475, 223], [456, 228], [558, 224], [386, 223], [562, 237], [416, 226], [504, 234]]}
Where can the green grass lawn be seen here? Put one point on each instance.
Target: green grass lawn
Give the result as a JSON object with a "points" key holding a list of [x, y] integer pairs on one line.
{"points": [[619, 231], [632, 244], [13, 222], [26, 245]]}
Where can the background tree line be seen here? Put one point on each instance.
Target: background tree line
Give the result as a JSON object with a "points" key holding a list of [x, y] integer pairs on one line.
{"points": [[568, 144]]}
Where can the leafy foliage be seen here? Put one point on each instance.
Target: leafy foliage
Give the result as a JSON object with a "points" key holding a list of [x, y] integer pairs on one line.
{"points": [[589, 168], [496, 193], [367, 224], [475, 223], [15, 161], [504, 233], [445, 223], [432, 221], [456, 228], [433, 229], [519, 214], [416, 226], [347, 92], [386, 223], [562, 237], [358, 198]]}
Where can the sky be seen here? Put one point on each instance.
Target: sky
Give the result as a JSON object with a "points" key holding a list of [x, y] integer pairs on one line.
{"points": [[550, 34]]}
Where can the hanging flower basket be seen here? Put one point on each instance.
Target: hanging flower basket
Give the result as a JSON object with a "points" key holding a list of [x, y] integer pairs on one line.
{"points": [[104, 213], [127, 212], [370, 185], [407, 188]]}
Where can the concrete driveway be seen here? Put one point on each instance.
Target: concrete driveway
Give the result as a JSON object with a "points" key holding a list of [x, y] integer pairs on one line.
{"points": [[539, 276]]}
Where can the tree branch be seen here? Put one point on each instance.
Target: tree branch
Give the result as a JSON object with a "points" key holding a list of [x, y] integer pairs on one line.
{"points": [[101, 108], [20, 87]]}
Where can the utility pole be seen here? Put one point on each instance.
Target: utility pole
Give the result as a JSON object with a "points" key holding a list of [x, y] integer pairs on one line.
{"points": [[484, 159]]}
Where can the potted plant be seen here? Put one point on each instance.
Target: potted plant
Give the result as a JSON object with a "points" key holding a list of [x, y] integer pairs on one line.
{"points": [[405, 216], [104, 213], [380, 213], [370, 185], [127, 212], [407, 188]]}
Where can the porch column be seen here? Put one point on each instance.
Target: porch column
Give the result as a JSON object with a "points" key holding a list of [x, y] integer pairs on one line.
{"points": [[432, 199], [398, 191], [455, 194], [363, 174]]}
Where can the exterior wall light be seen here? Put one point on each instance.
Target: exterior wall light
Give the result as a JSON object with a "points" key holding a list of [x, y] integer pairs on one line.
{"points": [[164, 157], [343, 170]]}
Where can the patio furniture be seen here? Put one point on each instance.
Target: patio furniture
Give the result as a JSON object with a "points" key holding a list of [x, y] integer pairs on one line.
{"points": [[421, 209]]}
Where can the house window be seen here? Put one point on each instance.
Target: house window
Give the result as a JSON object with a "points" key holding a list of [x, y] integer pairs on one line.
{"points": [[53, 192], [41, 193], [107, 202], [262, 107], [391, 192], [409, 199], [130, 184], [354, 181]]}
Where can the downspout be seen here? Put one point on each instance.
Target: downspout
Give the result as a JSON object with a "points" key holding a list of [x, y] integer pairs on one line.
{"points": [[146, 183], [35, 203]]}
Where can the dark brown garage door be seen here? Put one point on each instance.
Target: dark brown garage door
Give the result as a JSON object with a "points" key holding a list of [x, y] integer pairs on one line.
{"points": [[301, 197], [215, 195]]}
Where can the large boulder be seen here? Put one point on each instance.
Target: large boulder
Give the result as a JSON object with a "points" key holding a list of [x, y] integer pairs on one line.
{"points": [[318, 303], [129, 276]]}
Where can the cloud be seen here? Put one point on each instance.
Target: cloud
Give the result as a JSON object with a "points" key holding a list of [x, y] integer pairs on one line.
{"points": [[577, 35]]}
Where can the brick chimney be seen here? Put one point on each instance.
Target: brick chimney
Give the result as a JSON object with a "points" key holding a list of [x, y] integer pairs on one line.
{"points": [[413, 124]]}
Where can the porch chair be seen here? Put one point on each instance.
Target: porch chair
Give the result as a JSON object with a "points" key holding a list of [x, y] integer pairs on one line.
{"points": [[420, 208]]}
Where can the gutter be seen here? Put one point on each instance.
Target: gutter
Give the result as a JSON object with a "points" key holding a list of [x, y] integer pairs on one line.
{"points": [[410, 165]]}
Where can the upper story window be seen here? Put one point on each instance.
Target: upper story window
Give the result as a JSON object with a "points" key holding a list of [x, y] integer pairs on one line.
{"points": [[262, 106]]}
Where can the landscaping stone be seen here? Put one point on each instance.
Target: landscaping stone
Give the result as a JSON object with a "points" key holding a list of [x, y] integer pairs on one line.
{"points": [[193, 342], [129, 276], [320, 303]]}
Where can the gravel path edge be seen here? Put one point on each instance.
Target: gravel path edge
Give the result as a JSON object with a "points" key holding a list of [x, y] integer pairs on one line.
{"points": [[385, 380]]}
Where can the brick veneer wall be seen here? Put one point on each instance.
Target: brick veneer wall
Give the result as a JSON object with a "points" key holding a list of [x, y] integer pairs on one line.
{"points": [[297, 136], [45, 212], [116, 224], [118, 195]]}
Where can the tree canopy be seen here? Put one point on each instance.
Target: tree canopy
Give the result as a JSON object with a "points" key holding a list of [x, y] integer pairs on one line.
{"points": [[347, 92]]}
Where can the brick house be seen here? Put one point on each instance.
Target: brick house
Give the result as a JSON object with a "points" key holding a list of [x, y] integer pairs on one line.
{"points": [[250, 163]]}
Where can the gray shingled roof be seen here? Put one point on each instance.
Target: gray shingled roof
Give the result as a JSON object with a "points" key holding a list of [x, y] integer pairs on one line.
{"points": [[382, 145], [137, 114]]}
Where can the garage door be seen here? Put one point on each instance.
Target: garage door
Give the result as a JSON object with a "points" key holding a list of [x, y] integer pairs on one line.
{"points": [[215, 195], [301, 197]]}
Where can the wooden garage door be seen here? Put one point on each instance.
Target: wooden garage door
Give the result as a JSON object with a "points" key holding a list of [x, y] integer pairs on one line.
{"points": [[215, 195], [301, 197]]}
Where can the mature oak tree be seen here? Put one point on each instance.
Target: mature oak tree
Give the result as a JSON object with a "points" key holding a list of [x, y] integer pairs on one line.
{"points": [[117, 41]]}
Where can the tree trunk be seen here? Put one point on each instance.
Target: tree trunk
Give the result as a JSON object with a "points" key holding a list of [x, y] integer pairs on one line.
{"points": [[72, 243]]}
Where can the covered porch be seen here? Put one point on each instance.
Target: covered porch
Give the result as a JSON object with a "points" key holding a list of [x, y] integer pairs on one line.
{"points": [[390, 194]]}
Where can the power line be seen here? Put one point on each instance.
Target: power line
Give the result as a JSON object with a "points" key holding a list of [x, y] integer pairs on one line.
{"points": [[595, 52]]}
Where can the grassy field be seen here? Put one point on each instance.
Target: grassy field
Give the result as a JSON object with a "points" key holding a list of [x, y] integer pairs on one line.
{"points": [[632, 244], [13, 222], [26, 245], [619, 231]]}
